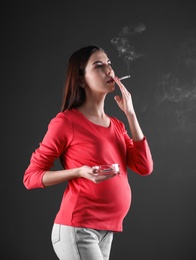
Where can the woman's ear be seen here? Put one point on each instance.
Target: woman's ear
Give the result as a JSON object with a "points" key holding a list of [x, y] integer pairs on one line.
{"points": [[81, 82]]}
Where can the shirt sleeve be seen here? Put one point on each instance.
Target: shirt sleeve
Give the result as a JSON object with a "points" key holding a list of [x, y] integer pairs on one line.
{"points": [[139, 158], [55, 141]]}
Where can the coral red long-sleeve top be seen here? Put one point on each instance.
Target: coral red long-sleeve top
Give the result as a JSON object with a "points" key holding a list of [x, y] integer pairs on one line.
{"points": [[78, 141]]}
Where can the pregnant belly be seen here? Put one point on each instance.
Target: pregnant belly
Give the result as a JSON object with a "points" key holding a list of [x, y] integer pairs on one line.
{"points": [[108, 198]]}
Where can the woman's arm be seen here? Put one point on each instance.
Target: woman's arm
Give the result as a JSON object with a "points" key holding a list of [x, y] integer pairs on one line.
{"points": [[139, 155], [55, 177], [50, 178], [126, 105]]}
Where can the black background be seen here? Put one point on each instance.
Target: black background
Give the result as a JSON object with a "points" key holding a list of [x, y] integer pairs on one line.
{"points": [[37, 39]]}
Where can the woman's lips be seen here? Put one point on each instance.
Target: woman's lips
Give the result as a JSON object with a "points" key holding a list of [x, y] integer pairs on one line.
{"points": [[110, 81]]}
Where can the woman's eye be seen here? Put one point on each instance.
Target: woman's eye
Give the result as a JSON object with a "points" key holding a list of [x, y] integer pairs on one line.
{"points": [[98, 66]]}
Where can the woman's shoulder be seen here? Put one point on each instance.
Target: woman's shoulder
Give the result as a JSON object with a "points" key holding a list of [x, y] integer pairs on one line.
{"points": [[65, 115], [116, 121], [117, 124], [67, 118]]}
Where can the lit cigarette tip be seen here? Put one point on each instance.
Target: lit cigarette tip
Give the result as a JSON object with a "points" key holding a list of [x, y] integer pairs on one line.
{"points": [[125, 77]]}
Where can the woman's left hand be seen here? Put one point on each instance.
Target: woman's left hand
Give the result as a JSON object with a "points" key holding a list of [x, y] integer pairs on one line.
{"points": [[125, 101]]}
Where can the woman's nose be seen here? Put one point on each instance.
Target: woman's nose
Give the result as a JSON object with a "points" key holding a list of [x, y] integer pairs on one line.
{"points": [[108, 69]]}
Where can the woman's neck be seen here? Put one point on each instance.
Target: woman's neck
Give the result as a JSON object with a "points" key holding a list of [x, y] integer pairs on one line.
{"points": [[92, 111], [95, 113], [93, 108]]}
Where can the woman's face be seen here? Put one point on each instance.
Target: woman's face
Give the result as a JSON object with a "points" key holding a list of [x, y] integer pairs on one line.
{"points": [[99, 73]]}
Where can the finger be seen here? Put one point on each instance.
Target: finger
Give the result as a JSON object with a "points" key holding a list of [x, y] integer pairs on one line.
{"points": [[117, 98], [121, 86], [95, 172], [118, 82], [125, 93]]}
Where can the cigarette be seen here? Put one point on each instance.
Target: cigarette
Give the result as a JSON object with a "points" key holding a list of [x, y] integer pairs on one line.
{"points": [[125, 77]]}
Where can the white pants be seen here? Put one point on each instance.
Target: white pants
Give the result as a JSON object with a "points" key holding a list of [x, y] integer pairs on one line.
{"points": [[76, 243]]}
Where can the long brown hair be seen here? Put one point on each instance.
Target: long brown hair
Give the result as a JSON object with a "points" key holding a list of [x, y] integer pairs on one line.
{"points": [[74, 95]]}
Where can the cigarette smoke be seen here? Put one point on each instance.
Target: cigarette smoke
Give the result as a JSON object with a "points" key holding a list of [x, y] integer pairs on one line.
{"points": [[124, 43], [177, 88]]}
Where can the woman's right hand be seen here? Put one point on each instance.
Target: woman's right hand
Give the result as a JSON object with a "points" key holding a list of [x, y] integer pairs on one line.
{"points": [[92, 175]]}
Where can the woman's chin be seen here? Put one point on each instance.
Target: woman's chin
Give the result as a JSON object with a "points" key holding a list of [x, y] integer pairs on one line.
{"points": [[112, 88]]}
